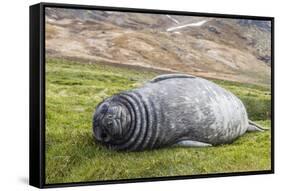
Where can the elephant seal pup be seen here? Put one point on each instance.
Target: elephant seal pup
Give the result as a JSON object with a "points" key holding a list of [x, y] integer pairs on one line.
{"points": [[172, 109]]}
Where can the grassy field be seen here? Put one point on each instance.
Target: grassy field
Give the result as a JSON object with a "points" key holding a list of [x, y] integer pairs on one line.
{"points": [[74, 89]]}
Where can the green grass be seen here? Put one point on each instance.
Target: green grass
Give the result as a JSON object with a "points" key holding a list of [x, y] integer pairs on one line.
{"points": [[74, 89]]}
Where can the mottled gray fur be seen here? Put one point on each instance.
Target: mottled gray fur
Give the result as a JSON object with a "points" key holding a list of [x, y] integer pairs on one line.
{"points": [[172, 109]]}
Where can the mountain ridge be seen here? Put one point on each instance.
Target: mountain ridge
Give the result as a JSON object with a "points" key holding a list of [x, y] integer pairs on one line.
{"points": [[232, 49]]}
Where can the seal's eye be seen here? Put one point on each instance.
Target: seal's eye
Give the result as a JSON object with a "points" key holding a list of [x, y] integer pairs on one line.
{"points": [[104, 108]]}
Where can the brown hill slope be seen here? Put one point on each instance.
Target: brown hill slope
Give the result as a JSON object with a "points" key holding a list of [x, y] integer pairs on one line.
{"points": [[229, 49]]}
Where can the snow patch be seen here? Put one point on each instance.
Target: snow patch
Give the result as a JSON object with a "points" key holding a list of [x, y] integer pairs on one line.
{"points": [[197, 24], [173, 19]]}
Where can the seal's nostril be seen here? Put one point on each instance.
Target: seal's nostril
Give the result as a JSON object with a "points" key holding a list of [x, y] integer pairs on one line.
{"points": [[103, 136]]}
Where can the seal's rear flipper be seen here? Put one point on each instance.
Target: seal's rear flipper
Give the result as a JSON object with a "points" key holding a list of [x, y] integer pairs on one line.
{"points": [[255, 127], [169, 76], [189, 143]]}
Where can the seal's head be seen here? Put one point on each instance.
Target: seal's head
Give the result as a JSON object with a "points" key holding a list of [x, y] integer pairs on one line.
{"points": [[111, 121]]}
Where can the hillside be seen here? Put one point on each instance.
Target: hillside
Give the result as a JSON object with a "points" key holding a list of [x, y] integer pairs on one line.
{"points": [[236, 50]]}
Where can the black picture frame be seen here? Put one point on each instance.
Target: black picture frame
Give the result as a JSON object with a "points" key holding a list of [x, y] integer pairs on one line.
{"points": [[37, 95]]}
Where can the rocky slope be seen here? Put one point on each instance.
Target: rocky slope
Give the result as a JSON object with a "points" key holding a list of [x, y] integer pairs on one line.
{"points": [[231, 49]]}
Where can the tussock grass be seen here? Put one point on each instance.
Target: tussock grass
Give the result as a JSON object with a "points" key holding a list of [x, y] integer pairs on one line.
{"points": [[74, 89]]}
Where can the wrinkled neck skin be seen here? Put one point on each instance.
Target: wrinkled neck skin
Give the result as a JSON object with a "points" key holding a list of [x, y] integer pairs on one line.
{"points": [[143, 129]]}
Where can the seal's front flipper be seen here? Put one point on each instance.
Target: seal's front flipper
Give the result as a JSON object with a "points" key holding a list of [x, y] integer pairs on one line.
{"points": [[169, 76], [255, 127], [189, 143]]}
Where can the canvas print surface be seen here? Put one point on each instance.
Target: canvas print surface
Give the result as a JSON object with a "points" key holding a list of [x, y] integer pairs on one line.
{"points": [[138, 95]]}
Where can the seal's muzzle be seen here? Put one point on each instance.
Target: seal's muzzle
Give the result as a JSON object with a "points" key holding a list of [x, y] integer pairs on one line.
{"points": [[111, 120]]}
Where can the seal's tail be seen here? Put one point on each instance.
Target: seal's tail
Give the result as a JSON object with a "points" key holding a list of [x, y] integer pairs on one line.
{"points": [[255, 127]]}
